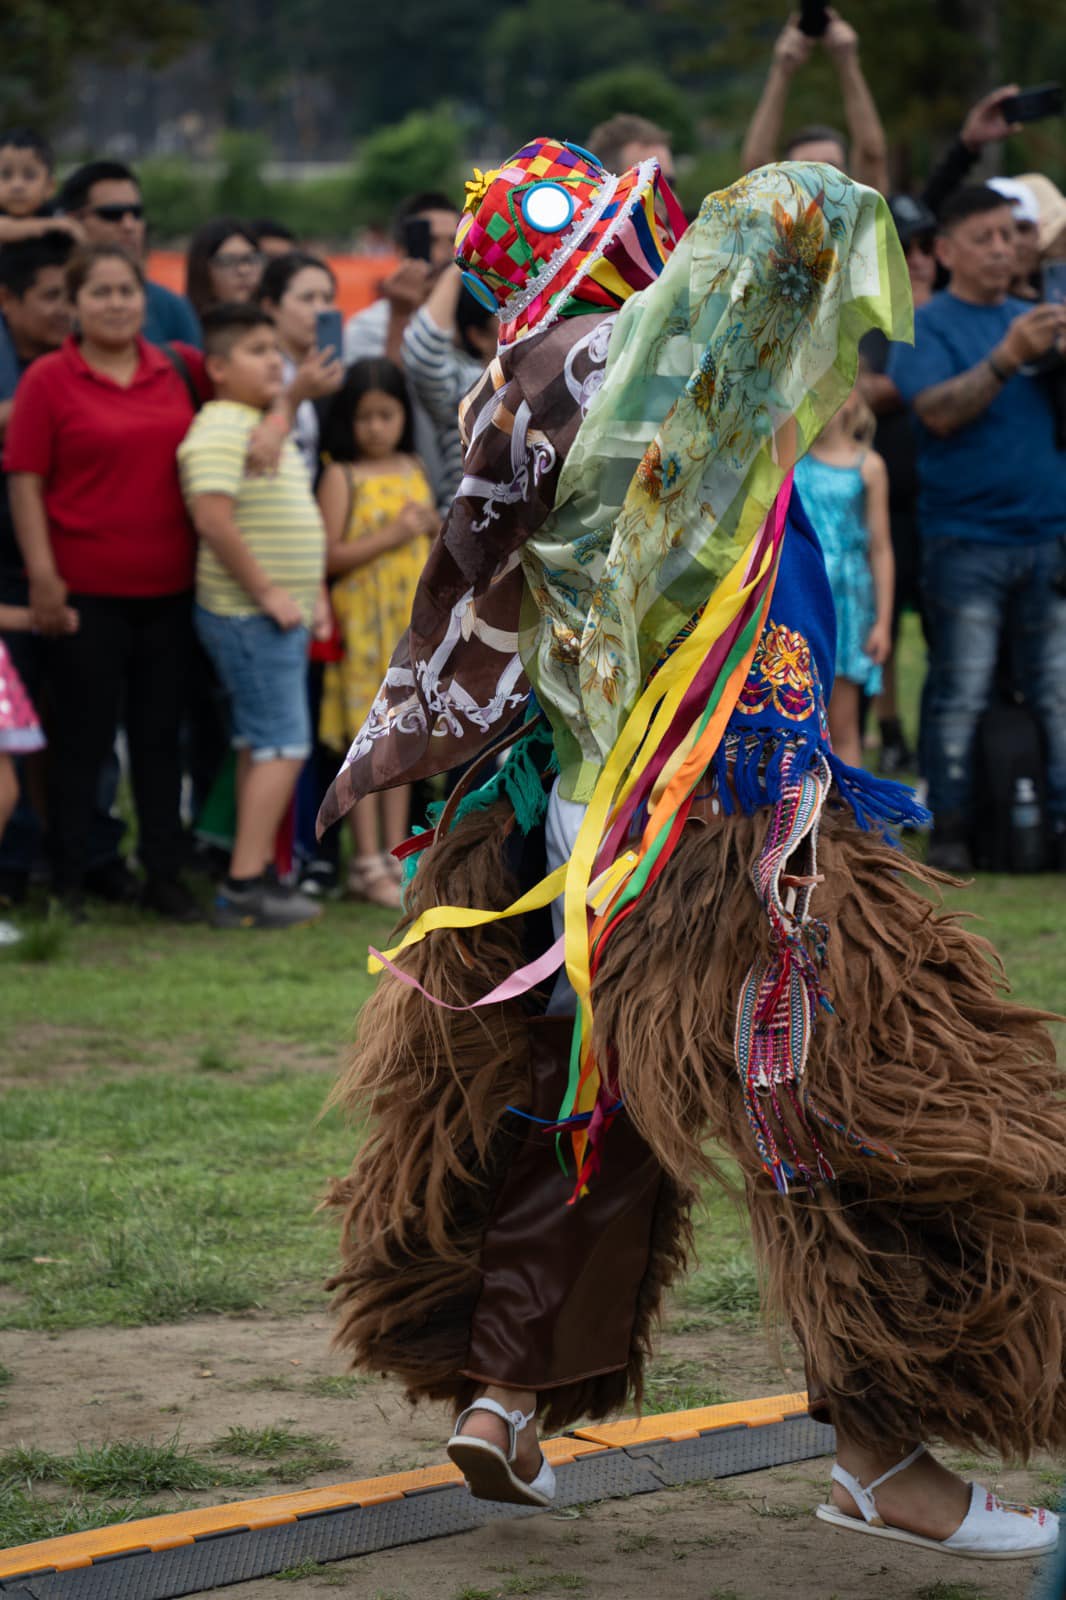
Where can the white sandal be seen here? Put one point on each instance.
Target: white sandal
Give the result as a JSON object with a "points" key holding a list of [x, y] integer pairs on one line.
{"points": [[370, 879], [488, 1472], [990, 1530]]}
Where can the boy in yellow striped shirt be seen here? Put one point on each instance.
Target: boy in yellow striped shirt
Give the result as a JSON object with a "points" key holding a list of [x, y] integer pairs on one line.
{"points": [[259, 593]]}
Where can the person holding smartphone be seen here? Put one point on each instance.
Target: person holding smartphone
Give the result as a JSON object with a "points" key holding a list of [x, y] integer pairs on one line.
{"points": [[1025, 284], [424, 233], [864, 153], [992, 511], [294, 290]]}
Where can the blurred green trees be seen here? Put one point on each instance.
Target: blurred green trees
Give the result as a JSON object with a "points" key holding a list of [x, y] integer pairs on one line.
{"points": [[421, 152], [43, 41]]}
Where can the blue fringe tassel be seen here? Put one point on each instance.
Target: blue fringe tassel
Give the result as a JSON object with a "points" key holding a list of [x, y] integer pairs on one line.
{"points": [[747, 772], [877, 802]]}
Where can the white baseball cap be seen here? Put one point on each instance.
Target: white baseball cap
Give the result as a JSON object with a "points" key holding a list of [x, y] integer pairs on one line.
{"points": [[1020, 196]]}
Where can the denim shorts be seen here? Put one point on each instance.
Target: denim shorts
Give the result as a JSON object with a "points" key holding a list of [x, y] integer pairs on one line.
{"points": [[263, 670]]}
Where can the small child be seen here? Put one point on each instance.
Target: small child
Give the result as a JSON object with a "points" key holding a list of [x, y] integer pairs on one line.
{"points": [[378, 509], [20, 731], [259, 592], [27, 184], [844, 488]]}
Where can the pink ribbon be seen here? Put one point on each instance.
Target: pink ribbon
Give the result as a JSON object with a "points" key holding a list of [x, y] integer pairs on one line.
{"points": [[516, 984]]}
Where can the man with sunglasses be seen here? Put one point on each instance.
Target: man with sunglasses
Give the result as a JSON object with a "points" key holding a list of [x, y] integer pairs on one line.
{"points": [[105, 197]]}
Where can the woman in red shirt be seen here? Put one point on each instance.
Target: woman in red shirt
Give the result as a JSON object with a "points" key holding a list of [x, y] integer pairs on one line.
{"points": [[91, 457]]}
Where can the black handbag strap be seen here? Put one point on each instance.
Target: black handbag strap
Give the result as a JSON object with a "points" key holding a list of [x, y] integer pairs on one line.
{"points": [[181, 367]]}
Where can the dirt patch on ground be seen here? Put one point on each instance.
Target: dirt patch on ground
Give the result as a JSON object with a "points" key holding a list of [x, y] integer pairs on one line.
{"points": [[44, 1053], [740, 1539]]}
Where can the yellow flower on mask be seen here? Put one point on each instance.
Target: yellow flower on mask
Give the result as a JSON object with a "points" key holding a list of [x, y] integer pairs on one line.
{"points": [[477, 187]]}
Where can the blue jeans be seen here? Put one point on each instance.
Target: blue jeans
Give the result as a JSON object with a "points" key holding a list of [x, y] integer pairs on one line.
{"points": [[976, 595], [263, 670]]}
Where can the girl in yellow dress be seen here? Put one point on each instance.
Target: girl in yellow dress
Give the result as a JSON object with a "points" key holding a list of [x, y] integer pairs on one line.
{"points": [[378, 509]]}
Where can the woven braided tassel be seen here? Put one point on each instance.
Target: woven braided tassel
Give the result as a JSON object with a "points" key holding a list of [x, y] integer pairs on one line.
{"points": [[780, 996]]}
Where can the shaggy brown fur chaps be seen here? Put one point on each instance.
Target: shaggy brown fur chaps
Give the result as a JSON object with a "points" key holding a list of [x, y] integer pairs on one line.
{"points": [[928, 1293]]}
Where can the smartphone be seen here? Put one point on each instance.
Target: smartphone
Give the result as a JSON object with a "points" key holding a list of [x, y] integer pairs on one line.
{"points": [[1053, 278], [329, 331], [417, 238], [1033, 105], [814, 18]]}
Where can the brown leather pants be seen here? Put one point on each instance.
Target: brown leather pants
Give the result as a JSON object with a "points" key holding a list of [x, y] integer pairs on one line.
{"points": [[562, 1283]]}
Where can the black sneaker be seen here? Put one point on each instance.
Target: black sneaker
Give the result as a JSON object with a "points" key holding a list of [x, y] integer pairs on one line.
{"points": [[14, 886], [112, 882], [1057, 862], [949, 851], [274, 883], [321, 880], [206, 860], [896, 754], [262, 904], [896, 758], [169, 898]]}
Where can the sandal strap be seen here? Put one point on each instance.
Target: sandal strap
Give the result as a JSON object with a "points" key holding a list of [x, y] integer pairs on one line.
{"points": [[515, 1420], [863, 1494], [369, 867]]}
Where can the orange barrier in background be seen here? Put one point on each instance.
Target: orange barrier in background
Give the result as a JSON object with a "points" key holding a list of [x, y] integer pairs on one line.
{"points": [[358, 277]]}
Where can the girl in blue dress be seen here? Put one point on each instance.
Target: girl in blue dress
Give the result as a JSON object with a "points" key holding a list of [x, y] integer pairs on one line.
{"points": [[844, 489]]}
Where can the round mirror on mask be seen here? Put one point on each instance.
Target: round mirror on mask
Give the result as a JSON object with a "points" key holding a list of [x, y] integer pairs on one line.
{"points": [[548, 207]]}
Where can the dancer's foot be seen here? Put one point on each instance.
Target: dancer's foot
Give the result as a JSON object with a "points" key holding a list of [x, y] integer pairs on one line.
{"points": [[917, 1501], [495, 1448], [924, 1498], [488, 1426]]}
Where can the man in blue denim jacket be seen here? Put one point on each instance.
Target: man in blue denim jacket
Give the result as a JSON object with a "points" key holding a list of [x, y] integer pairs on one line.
{"points": [[992, 508]]}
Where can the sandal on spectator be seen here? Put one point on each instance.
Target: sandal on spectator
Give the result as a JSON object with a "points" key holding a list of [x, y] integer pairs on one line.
{"points": [[370, 879], [393, 867]]}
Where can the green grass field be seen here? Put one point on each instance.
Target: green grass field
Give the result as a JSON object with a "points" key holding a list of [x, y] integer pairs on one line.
{"points": [[163, 1146]]}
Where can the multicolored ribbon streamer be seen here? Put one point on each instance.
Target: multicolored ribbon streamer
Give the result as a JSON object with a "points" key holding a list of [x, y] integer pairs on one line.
{"points": [[700, 680], [663, 752]]}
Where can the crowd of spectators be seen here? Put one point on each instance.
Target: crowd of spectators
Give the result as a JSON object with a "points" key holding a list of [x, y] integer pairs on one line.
{"points": [[212, 518], [182, 474]]}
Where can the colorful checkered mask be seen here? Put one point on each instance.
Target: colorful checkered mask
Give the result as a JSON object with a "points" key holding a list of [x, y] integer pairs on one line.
{"points": [[551, 232]]}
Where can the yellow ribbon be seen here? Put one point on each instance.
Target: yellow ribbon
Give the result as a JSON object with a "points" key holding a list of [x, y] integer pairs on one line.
{"points": [[645, 727], [542, 894]]}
